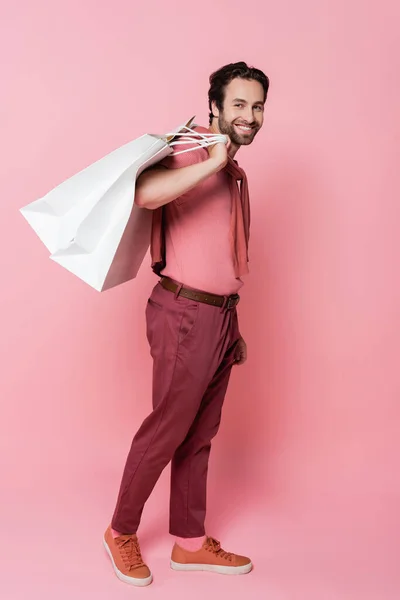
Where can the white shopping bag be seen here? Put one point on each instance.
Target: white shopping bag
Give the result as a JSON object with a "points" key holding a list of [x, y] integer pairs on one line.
{"points": [[90, 223]]}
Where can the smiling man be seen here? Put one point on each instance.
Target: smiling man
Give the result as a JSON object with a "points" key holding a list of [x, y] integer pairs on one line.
{"points": [[199, 249]]}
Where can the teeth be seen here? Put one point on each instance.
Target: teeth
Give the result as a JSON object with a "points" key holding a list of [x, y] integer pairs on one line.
{"points": [[244, 127]]}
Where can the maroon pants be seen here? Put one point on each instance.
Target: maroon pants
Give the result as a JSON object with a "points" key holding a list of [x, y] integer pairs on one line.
{"points": [[192, 345]]}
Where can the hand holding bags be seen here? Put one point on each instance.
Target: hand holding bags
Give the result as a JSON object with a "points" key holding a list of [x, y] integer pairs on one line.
{"points": [[90, 223]]}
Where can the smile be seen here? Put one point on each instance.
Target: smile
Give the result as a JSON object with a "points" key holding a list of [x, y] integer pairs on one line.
{"points": [[244, 128]]}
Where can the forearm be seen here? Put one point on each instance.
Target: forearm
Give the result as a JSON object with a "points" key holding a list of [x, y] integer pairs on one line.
{"points": [[159, 186]]}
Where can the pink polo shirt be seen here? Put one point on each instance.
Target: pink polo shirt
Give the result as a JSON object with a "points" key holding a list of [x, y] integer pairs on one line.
{"points": [[197, 225]]}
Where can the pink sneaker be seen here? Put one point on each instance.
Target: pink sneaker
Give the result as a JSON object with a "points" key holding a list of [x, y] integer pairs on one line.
{"points": [[126, 559], [211, 557]]}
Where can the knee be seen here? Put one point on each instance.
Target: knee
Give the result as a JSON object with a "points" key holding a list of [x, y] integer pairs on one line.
{"points": [[193, 446]]}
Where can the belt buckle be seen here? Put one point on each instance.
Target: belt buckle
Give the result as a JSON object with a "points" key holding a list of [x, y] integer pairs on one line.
{"points": [[232, 301]]}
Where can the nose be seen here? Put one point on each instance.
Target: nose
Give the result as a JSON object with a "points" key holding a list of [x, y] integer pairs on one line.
{"points": [[249, 115]]}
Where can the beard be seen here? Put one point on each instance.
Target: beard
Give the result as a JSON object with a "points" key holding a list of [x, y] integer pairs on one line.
{"points": [[236, 137]]}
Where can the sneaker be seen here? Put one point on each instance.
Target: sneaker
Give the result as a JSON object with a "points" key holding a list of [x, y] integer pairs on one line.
{"points": [[211, 557], [126, 559]]}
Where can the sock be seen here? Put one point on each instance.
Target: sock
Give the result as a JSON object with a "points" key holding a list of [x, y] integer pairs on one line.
{"points": [[191, 544], [115, 533]]}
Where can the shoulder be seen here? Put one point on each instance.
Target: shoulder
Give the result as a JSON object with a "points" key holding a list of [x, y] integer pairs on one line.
{"points": [[188, 153], [201, 129]]}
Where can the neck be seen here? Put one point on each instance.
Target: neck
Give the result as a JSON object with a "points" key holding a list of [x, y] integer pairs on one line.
{"points": [[214, 128]]}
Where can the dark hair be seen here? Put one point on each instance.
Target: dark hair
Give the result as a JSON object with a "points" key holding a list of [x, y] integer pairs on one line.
{"points": [[221, 78]]}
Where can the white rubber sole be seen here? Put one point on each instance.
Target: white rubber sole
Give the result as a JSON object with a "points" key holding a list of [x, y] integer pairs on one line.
{"points": [[129, 580], [213, 568]]}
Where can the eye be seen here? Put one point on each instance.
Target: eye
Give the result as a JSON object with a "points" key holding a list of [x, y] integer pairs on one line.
{"points": [[239, 105], [259, 108]]}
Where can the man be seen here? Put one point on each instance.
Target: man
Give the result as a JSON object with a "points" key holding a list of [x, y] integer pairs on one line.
{"points": [[199, 248]]}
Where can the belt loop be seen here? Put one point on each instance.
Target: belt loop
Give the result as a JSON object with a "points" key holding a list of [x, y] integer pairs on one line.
{"points": [[178, 290], [224, 304]]}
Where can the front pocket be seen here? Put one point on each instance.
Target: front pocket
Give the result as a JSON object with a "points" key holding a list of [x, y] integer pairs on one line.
{"points": [[188, 321], [155, 315], [154, 304]]}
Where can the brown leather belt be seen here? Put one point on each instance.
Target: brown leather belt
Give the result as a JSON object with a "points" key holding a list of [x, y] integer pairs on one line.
{"points": [[220, 301]]}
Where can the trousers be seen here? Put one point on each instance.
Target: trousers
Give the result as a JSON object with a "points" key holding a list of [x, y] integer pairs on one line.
{"points": [[193, 349]]}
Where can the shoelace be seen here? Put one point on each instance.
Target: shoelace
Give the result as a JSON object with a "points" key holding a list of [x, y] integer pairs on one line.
{"points": [[214, 546], [130, 552]]}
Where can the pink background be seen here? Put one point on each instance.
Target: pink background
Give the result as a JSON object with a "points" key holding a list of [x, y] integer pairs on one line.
{"points": [[304, 475]]}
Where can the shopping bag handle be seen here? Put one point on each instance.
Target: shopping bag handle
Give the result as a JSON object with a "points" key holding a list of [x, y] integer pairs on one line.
{"points": [[190, 136]]}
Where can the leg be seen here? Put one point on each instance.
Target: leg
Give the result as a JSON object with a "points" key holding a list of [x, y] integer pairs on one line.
{"points": [[185, 348], [190, 462]]}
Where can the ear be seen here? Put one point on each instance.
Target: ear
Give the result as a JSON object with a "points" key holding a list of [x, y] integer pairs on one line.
{"points": [[214, 109]]}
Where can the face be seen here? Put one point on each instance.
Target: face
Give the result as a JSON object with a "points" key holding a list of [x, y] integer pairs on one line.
{"points": [[243, 111]]}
